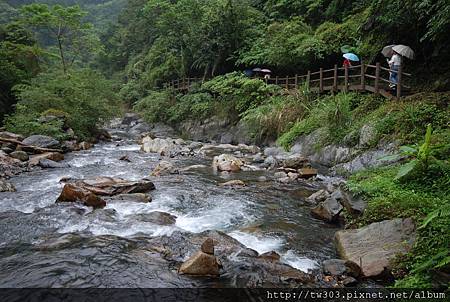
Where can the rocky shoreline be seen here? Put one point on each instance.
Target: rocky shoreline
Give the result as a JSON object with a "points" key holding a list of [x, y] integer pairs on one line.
{"points": [[365, 252]]}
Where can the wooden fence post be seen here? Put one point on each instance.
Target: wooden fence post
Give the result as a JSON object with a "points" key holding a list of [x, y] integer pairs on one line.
{"points": [[276, 80], [188, 84], [287, 83], [335, 78], [363, 78], [377, 78], [296, 81], [321, 80], [345, 78], [308, 79], [399, 82]]}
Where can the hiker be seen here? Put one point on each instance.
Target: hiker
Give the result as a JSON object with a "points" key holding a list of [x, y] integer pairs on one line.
{"points": [[394, 65], [346, 63]]}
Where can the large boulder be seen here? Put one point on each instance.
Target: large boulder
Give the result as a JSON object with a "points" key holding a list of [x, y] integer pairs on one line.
{"points": [[367, 135], [338, 267], [200, 264], [295, 162], [161, 146], [10, 135], [329, 209], [227, 162], [47, 163], [54, 156], [355, 205], [20, 155], [373, 246], [73, 193], [41, 141], [88, 191], [109, 186], [157, 217], [6, 186], [165, 168], [133, 197], [318, 197]]}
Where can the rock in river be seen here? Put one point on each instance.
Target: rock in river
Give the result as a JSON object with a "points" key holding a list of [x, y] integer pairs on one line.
{"points": [[165, 168], [226, 162], [165, 147], [329, 209], [233, 183], [41, 141], [6, 186], [54, 156], [200, 264], [87, 191], [372, 247], [20, 155]]}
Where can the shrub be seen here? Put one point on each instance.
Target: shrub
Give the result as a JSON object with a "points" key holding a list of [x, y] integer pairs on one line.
{"points": [[155, 106], [85, 97]]}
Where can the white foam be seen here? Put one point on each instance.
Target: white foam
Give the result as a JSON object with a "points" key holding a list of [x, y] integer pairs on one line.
{"points": [[301, 263], [224, 214], [259, 243]]}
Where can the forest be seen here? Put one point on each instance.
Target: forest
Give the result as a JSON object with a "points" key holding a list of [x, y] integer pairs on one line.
{"points": [[87, 62]]}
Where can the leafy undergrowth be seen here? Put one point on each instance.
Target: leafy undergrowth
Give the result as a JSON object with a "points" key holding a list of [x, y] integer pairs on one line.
{"points": [[425, 196]]}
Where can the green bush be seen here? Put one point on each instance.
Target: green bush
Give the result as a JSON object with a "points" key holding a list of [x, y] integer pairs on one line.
{"points": [[155, 106], [85, 97]]}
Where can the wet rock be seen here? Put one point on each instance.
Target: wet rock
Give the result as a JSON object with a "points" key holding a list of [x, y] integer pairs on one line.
{"points": [[9, 166], [130, 118], [195, 145], [318, 197], [125, 158], [10, 135], [133, 197], [226, 162], [295, 162], [165, 147], [329, 209], [72, 193], [54, 156], [85, 146], [20, 155], [165, 168], [69, 146], [200, 264], [284, 180], [193, 167], [157, 217], [208, 246], [108, 186], [349, 282], [6, 186], [7, 149], [233, 183], [41, 141], [372, 247], [270, 256], [258, 158], [270, 162], [338, 267], [161, 130], [307, 172], [47, 163]]}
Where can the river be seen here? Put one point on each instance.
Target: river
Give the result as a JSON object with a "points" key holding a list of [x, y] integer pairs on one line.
{"points": [[43, 244]]}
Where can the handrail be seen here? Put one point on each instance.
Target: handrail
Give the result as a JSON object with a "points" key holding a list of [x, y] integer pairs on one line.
{"points": [[347, 74]]}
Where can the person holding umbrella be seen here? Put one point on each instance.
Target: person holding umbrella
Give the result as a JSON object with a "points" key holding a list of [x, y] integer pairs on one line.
{"points": [[394, 66], [348, 57]]}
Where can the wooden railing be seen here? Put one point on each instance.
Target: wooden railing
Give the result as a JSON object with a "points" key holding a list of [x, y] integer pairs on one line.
{"points": [[363, 77]]}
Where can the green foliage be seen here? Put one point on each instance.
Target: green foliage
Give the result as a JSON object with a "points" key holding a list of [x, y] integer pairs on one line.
{"points": [[74, 38], [244, 93], [154, 107], [84, 97]]}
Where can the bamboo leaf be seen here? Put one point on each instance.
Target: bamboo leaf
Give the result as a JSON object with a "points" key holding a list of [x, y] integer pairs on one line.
{"points": [[406, 169]]}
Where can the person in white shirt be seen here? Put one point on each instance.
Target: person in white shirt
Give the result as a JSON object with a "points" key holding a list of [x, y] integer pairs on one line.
{"points": [[394, 64]]}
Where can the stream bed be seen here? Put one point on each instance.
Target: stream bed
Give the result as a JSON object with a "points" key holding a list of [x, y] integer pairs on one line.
{"points": [[44, 244]]}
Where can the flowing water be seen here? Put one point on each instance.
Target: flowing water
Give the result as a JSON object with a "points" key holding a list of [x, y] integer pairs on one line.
{"points": [[43, 244]]}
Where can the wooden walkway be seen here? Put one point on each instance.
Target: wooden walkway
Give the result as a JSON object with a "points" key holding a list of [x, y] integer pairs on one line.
{"points": [[363, 77]]}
